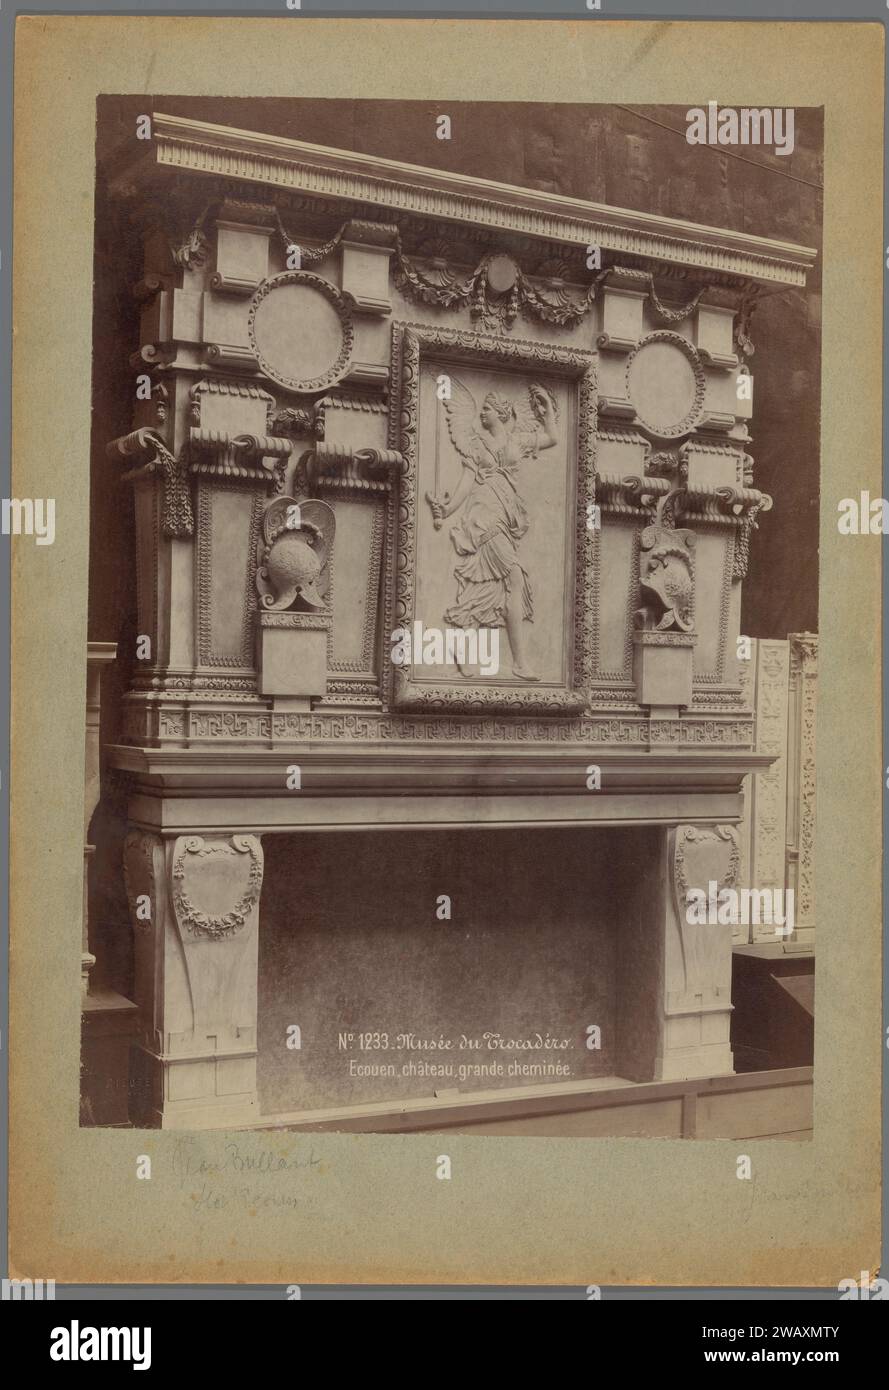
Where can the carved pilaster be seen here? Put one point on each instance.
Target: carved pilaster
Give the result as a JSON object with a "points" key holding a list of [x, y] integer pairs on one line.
{"points": [[194, 903], [695, 1007], [768, 790], [801, 784]]}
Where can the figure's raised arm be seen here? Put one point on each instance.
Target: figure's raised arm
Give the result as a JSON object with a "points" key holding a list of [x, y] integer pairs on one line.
{"points": [[544, 409]]}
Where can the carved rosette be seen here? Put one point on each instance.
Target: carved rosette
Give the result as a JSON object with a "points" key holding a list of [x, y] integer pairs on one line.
{"points": [[215, 884]]}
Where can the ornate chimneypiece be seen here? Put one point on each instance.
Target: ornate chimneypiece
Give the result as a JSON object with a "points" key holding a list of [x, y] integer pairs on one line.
{"points": [[392, 403]]}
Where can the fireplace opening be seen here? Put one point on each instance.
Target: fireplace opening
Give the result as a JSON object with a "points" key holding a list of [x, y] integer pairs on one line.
{"points": [[401, 965]]}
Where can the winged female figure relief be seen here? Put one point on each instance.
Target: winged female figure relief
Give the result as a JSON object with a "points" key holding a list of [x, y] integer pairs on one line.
{"points": [[493, 588]]}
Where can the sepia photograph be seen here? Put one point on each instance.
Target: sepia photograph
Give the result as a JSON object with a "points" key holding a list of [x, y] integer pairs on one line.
{"points": [[445, 763]]}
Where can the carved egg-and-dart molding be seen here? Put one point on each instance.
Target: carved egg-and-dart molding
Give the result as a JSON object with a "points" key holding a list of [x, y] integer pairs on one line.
{"points": [[666, 383], [301, 331]]}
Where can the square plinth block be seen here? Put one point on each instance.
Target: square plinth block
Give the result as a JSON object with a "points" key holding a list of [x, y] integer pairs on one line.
{"points": [[663, 664], [293, 653]]}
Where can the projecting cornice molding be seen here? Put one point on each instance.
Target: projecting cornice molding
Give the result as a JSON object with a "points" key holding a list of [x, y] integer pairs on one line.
{"points": [[339, 175]]}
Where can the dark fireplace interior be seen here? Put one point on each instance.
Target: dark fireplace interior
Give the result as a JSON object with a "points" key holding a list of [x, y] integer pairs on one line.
{"points": [[546, 936]]}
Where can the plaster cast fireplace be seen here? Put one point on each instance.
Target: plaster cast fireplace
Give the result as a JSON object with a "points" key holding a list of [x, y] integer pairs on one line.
{"points": [[388, 400]]}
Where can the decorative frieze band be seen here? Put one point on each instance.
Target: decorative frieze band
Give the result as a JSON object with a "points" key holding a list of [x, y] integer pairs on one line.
{"points": [[143, 724]]}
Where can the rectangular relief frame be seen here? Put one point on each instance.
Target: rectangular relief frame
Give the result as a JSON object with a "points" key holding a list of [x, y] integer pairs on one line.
{"points": [[568, 376]]}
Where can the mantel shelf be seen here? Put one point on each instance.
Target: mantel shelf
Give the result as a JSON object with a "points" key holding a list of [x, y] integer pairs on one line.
{"points": [[180, 789]]}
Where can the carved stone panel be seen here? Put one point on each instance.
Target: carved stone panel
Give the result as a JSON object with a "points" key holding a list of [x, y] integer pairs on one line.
{"points": [[503, 547], [702, 856], [713, 591], [228, 525], [495, 550], [215, 885], [356, 587], [618, 548], [779, 820]]}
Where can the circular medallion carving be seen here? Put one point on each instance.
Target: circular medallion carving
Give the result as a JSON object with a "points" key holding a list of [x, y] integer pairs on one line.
{"points": [[666, 383], [301, 331], [501, 273]]}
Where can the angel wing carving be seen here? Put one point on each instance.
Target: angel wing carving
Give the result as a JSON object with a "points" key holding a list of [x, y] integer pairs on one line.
{"points": [[462, 416]]}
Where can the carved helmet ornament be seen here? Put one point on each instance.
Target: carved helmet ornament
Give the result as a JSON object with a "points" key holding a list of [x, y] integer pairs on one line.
{"points": [[666, 572], [294, 557]]}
